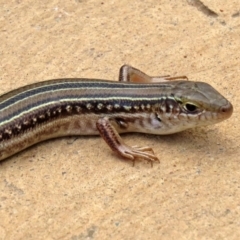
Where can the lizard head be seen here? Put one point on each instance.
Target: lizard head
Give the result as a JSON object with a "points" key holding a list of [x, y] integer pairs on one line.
{"points": [[191, 104]]}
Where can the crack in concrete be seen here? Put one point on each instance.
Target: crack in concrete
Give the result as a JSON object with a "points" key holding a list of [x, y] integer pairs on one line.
{"points": [[203, 8]]}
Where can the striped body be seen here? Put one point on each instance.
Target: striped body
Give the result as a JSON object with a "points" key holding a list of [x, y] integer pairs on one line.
{"points": [[73, 107]]}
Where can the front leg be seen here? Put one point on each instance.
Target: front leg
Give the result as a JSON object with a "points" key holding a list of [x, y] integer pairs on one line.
{"points": [[115, 142], [131, 74]]}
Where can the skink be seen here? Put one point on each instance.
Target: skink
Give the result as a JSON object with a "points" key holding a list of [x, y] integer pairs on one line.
{"points": [[135, 103]]}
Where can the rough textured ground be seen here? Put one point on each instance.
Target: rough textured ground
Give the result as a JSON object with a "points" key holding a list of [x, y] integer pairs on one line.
{"points": [[76, 188]]}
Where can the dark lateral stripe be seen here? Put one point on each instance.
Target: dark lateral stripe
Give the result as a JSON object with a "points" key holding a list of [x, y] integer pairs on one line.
{"points": [[96, 96], [68, 85], [121, 100]]}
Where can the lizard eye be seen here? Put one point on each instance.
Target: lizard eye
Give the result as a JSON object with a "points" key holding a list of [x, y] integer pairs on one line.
{"points": [[190, 107]]}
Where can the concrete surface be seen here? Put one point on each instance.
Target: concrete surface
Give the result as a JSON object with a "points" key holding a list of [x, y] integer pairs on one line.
{"points": [[76, 188]]}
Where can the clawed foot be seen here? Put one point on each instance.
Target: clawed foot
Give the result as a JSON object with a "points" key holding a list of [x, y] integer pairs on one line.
{"points": [[134, 152], [114, 141]]}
